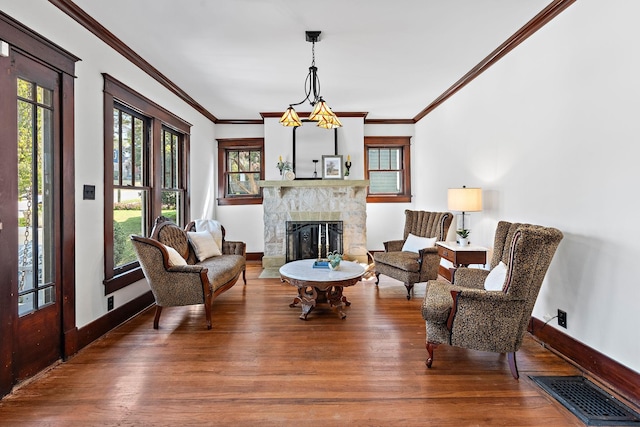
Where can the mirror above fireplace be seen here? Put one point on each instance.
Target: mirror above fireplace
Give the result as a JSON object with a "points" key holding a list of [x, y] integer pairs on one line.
{"points": [[311, 143]]}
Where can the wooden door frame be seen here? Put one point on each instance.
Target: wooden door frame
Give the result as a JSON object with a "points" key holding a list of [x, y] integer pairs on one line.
{"points": [[36, 47]]}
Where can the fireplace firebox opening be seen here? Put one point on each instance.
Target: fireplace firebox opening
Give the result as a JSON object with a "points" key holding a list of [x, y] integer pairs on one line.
{"points": [[303, 238]]}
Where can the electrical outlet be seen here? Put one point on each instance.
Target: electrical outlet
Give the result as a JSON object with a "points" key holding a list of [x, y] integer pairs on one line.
{"points": [[110, 303], [89, 192], [562, 318]]}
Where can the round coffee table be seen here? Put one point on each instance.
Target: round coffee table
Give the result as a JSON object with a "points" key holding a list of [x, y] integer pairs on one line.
{"points": [[320, 285]]}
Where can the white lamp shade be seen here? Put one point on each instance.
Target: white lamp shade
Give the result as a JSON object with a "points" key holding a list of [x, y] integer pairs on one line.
{"points": [[465, 199]]}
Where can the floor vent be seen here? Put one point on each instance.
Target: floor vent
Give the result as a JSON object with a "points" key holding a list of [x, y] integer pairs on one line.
{"points": [[588, 402]]}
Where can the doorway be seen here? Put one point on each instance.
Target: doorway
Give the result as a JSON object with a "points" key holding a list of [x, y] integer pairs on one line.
{"points": [[37, 313]]}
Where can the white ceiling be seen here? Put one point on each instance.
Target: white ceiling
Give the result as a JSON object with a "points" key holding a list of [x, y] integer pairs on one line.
{"points": [[238, 58]]}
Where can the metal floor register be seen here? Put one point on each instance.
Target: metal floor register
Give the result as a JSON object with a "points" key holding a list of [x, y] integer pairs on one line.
{"points": [[588, 402]]}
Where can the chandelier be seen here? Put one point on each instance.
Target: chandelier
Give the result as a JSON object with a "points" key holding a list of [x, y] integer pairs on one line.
{"points": [[321, 112]]}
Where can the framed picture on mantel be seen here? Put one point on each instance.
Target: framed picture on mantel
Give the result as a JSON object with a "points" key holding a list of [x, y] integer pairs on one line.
{"points": [[332, 167]]}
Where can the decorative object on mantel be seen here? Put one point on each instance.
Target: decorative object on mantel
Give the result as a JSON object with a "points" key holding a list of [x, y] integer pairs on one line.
{"points": [[332, 167], [321, 111], [347, 165], [315, 168], [284, 166], [464, 200]]}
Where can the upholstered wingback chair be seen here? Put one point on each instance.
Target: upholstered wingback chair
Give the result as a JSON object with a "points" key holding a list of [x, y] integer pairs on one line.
{"points": [[414, 267], [464, 314]]}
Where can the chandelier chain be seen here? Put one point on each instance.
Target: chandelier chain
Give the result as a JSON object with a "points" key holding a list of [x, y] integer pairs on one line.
{"points": [[321, 112]]}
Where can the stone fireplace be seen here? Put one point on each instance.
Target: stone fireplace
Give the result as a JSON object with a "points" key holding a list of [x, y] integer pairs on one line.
{"points": [[314, 201]]}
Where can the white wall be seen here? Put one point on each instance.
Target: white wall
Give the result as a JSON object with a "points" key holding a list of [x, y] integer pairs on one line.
{"points": [[385, 221], [551, 135], [97, 58]]}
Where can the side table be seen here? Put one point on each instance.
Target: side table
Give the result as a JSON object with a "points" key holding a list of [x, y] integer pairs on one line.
{"points": [[460, 256]]}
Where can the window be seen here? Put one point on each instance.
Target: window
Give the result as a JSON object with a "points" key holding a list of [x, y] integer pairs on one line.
{"points": [[146, 152], [387, 167], [173, 180], [240, 167], [131, 184]]}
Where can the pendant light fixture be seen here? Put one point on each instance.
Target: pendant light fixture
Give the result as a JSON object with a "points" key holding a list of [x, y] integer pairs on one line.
{"points": [[321, 112]]}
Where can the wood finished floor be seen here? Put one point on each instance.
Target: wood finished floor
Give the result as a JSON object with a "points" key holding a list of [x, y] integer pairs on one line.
{"points": [[261, 365]]}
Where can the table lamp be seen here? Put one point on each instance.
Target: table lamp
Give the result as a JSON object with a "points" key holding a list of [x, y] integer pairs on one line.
{"points": [[464, 200]]}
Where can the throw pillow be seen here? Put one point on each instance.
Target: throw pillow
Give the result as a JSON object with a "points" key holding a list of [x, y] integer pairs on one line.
{"points": [[213, 227], [415, 243], [203, 244], [495, 278], [174, 257]]}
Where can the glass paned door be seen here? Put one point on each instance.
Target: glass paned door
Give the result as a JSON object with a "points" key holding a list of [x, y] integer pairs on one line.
{"points": [[36, 269]]}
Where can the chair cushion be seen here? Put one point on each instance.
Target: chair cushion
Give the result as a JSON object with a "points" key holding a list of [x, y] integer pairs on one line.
{"points": [[407, 261], [221, 269], [415, 243], [495, 278], [203, 244]]}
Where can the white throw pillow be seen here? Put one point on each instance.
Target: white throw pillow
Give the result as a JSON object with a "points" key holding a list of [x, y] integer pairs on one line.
{"points": [[495, 278], [213, 227], [204, 244], [174, 257], [415, 243]]}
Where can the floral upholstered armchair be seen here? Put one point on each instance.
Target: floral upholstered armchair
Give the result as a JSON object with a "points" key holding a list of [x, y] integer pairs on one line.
{"points": [[414, 259], [489, 311]]}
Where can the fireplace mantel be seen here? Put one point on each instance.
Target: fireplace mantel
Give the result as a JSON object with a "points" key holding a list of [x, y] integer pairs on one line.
{"points": [[278, 185]]}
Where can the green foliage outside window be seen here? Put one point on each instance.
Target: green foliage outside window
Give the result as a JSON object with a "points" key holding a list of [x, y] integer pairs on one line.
{"points": [[243, 172]]}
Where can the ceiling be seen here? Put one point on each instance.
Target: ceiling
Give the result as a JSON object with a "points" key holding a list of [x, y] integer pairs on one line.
{"points": [[240, 58]]}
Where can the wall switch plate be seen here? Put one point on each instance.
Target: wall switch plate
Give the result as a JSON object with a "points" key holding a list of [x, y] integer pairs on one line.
{"points": [[110, 303], [562, 318], [89, 192]]}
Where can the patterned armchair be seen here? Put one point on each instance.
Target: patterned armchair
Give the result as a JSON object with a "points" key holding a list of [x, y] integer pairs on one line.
{"points": [[464, 314], [414, 267]]}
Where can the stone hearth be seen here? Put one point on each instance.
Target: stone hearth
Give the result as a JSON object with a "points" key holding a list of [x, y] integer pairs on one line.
{"points": [[314, 200]]}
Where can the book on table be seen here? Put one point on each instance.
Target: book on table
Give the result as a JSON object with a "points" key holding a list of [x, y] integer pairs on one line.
{"points": [[321, 264]]}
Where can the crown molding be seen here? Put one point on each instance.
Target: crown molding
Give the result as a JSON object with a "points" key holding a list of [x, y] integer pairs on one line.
{"points": [[84, 19], [389, 122], [537, 22]]}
